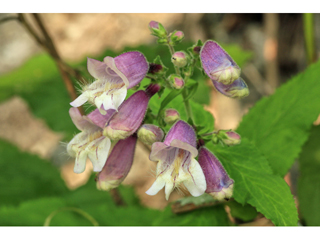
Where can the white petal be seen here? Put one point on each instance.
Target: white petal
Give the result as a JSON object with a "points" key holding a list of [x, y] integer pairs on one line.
{"points": [[195, 180], [107, 102], [169, 188], [156, 186], [80, 163], [78, 139], [98, 153], [79, 100], [119, 96]]}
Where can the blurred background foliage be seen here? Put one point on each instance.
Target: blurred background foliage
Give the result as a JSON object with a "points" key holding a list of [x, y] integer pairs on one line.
{"points": [[33, 186]]}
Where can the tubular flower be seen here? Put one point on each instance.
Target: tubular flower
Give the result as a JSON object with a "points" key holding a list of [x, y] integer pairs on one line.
{"points": [[219, 184], [130, 115], [223, 71], [89, 143], [113, 77], [176, 163], [118, 164]]}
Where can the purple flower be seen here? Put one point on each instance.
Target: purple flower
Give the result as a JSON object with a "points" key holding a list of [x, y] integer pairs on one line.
{"points": [[219, 184], [176, 163], [149, 134], [90, 142], [113, 77], [130, 115], [118, 164], [237, 89]]}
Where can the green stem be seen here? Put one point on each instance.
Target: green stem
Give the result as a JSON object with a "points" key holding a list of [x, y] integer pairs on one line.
{"points": [[308, 24], [77, 210]]}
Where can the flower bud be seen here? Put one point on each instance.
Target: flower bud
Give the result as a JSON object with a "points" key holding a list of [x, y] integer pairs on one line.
{"points": [[237, 89], [157, 67], [179, 59], [176, 37], [149, 134], [157, 29], [130, 115], [176, 81], [229, 137], [219, 184], [171, 116], [117, 165], [195, 49], [217, 63]]}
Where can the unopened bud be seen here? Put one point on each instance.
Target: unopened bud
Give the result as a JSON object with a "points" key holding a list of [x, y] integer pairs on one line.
{"points": [[196, 48], [171, 116], [176, 81], [157, 29], [229, 137], [179, 59], [157, 67], [176, 37], [149, 134]]}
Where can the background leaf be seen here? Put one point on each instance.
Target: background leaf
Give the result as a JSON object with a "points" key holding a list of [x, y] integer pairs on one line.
{"points": [[309, 180], [255, 183], [279, 124]]}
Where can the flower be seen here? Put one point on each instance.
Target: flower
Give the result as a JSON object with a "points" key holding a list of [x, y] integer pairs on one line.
{"points": [[89, 143], [149, 134], [176, 163], [130, 115], [118, 164], [219, 184], [223, 71], [114, 76]]}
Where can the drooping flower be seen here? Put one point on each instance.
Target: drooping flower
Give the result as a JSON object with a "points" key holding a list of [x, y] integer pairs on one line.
{"points": [[223, 71], [219, 184], [130, 115], [113, 77], [90, 142], [118, 164], [176, 162], [149, 134]]}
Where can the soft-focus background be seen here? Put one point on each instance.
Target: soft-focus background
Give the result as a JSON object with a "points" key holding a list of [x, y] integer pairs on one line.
{"points": [[34, 103]]}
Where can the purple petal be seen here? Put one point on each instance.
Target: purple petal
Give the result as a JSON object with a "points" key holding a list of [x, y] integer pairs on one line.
{"points": [[133, 65], [213, 57], [96, 68], [183, 132], [216, 177], [100, 120], [80, 121], [119, 162], [129, 117], [237, 89]]}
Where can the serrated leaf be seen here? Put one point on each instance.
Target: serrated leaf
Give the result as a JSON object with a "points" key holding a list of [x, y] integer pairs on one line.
{"points": [[309, 179], [254, 182], [279, 124]]}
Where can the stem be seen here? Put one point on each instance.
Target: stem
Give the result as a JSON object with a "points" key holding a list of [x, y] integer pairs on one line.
{"points": [[114, 192], [187, 104], [308, 25], [77, 210]]}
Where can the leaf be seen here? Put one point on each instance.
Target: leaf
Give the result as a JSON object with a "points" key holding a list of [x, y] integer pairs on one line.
{"points": [[309, 179], [208, 216], [26, 176], [279, 124], [244, 212], [254, 182]]}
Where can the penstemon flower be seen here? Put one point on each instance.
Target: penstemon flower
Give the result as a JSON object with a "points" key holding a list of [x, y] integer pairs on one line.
{"points": [[90, 142], [118, 164], [219, 184], [223, 71], [113, 77], [176, 162]]}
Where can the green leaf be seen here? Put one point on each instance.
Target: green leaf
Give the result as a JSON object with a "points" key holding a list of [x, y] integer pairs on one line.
{"points": [[279, 124], [173, 94], [309, 179], [208, 216], [254, 182], [26, 176], [244, 212]]}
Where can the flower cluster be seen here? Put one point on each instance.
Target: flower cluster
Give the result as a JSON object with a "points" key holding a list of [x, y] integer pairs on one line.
{"points": [[124, 121]]}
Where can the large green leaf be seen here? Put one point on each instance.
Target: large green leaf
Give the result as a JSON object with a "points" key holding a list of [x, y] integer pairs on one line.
{"points": [[309, 180], [25, 176], [255, 183], [279, 124]]}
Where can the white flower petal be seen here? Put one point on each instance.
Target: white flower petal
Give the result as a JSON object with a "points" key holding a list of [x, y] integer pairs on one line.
{"points": [[98, 152], [194, 179], [80, 164], [156, 186], [169, 188], [119, 96], [79, 100]]}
